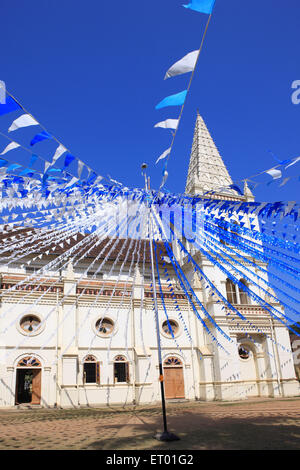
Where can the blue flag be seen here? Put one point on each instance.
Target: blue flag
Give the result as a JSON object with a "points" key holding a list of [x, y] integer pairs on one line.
{"points": [[39, 137], [236, 188], [69, 158], [202, 6], [54, 169], [33, 159], [27, 172], [13, 167], [9, 106], [92, 178], [172, 100]]}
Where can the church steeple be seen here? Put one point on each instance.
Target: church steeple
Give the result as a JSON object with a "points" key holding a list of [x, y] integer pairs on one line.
{"points": [[207, 171], [248, 193]]}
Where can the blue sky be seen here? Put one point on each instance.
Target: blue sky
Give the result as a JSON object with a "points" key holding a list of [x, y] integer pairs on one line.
{"points": [[92, 72]]}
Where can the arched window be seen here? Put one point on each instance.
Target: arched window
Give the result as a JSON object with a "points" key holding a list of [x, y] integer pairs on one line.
{"points": [[121, 369], [231, 292], [173, 362], [91, 370], [244, 299], [235, 294], [29, 361]]}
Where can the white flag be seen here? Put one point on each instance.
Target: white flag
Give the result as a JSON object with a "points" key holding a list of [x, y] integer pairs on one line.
{"points": [[12, 145], [274, 173], [98, 179], [58, 153], [293, 162], [80, 168], [70, 183], [168, 124], [165, 177], [47, 164], [184, 65], [164, 155], [23, 121]]}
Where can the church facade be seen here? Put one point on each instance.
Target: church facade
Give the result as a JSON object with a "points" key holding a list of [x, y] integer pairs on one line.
{"points": [[68, 340]]}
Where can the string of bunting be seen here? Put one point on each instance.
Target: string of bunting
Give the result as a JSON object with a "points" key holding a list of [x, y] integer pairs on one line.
{"points": [[185, 65]]}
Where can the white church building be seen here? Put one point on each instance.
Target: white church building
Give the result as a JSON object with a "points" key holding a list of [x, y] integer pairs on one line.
{"points": [[65, 349]]}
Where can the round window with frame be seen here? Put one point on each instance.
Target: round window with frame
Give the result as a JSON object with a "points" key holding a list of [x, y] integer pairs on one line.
{"points": [[244, 352], [104, 327], [30, 324], [169, 327]]}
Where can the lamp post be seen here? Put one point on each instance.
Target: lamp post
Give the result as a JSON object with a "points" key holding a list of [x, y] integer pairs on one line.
{"points": [[165, 435]]}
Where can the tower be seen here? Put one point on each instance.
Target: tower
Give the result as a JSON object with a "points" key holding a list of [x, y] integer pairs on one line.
{"points": [[207, 171], [256, 367]]}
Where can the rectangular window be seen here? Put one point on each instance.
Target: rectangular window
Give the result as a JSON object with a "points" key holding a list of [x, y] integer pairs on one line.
{"points": [[243, 298], [121, 372], [90, 373], [231, 293]]}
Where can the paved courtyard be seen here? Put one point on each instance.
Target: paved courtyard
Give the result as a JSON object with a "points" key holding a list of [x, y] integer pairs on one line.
{"points": [[253, 424]]}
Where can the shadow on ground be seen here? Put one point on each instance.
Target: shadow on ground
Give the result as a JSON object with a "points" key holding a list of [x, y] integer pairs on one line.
{"points": [[269, 425], [209, 434]]}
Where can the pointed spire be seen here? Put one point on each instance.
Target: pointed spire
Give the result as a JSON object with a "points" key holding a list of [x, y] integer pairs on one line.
{"points": [[207, 171], [247, 192]]}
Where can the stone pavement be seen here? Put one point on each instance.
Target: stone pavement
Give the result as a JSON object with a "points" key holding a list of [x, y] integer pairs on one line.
{"points": [[253, 424]]}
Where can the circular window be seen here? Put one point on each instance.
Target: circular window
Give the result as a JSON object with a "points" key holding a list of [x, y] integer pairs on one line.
{"points": [[167, 326], [30, 324], [104, 326], [244, 352]]}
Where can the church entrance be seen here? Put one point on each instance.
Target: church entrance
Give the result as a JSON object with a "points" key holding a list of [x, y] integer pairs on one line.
{"points": [[28, 382], [173, 378]]}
